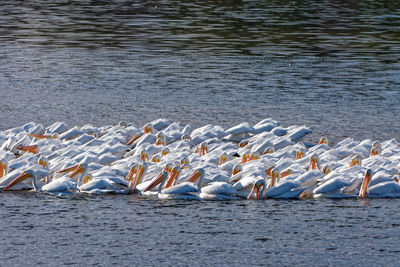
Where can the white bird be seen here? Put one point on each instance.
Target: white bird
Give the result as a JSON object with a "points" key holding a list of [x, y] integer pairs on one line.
{"points": [[246, 186], [63, 185], [187, 190]]}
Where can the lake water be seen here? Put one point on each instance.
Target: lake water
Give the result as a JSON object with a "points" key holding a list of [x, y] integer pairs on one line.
{"points": [[331, 65]]}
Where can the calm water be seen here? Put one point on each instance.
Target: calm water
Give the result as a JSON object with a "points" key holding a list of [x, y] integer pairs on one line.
{"points": [[331, 65]]}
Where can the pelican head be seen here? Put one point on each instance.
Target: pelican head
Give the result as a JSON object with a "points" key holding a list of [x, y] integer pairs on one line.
{"points": [[236, 169], [397, 177], [300, 153], [268, 170], [185, 166], [254, 156], [123, 124], [377, 145], [93, 133], [144, 156], [184, 161], [243, 143], [156, 159], [323, 140], [167, 168], [203, 149], [260, 183], [43, 161], [275, 177], [365, 183], [186, 137], [314, 162], [222, 159], [148, 128], [269, 150], [165, 151], [355, 161], [245, 157], [326, 169], [374, 151], [161, 139]]}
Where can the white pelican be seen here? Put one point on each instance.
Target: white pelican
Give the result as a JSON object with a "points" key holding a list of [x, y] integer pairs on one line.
{"points": [[344, 186], [285, 188], [259, 194], [218, 191], [60, 185], [187, 190], [110, 185], [247, 185]]}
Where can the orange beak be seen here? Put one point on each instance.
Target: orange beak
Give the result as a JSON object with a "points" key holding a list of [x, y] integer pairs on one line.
{"points": [[43, 163], [144, 157], [255, 187], [222, 160], [268, 150], [235, 171], [40, 136], [274, 178], [268, 171], [166, 168], [131, 172], [160, 141], [299, 154], [322, 141], [172, 176], [156, 181], [164, 152], [33, 149], [138, 177], [2, 170], [203, 150], [147, 130], [79, 169], [136, 137], [285, 173], [193, 177], [23, 176], [70, 169], [243, 143], [244, 158], [374, 152], [365, 183]]}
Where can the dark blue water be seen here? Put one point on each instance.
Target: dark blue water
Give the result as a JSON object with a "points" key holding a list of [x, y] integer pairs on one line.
{"points": [[331, 65], [38, 229]]}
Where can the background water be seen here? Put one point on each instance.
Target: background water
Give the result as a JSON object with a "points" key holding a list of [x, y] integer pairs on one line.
{"points": [[331, 65]]}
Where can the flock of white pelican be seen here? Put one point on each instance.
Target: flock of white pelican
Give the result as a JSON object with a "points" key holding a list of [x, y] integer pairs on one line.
{"points": [[169, 160]]}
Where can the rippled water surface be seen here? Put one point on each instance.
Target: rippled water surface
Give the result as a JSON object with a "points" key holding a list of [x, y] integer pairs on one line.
{"points": [[38, 229], [331, 65]]}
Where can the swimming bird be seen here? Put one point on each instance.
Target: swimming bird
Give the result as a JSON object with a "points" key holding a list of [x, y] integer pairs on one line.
{"points": [[59, 185]]}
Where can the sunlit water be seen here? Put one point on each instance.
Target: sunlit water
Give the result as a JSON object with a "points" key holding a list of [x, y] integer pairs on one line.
{"points": [[331, 65]]}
